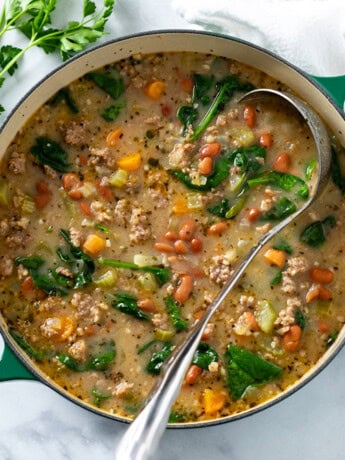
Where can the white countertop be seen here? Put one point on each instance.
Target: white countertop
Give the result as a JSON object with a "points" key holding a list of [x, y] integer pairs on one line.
{"points": [[38, 424]]}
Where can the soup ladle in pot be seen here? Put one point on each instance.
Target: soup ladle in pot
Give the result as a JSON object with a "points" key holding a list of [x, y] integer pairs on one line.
{"points": [[142, 437]]}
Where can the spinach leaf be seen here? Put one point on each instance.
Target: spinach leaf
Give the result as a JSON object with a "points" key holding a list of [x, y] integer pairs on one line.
{"points": [[315, 234], [278, 278], [64, 94], [146, 346], [115, 87], [177, 417], [283, 245], [39, 355], [187, 115], [30, 262], [113, 111], [48, 285], [162, 274], [300, 319], [226, 89], [202, 85], [50, 153], [99, 362], [310, 169], [205, 355], [220, 209], [336, 173], [127, 303], [175, 314], [281, 209], [157, 359], [283, 181], [98, 397], [246, 369]]}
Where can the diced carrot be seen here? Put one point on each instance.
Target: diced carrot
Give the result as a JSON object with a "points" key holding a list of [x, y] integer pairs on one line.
{"points": [[187, 84], [94, 244], [210, 150], [27, 286], [75, 194], [292, 338], [70, 180], [114, 137], [249, 116], [275, 257], [213, 401], [85, 208], [130, 162], [104, 190], [266, 140], [193, 374], [166, 110], [253, 214], [282, 162], [42, 187], [83, 160], [321, 275], [323, 326], [251, 321], [41, 200], [155, 89], [180, 206]]}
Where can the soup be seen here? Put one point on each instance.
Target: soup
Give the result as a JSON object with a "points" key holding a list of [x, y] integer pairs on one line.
{"points": [[126, 202]]}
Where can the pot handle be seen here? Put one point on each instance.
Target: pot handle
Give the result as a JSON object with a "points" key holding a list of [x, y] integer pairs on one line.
{"points": [[335, 86], [11, 368]]}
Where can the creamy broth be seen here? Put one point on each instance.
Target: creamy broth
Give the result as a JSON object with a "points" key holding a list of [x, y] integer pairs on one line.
{"points": [[122, 215]]}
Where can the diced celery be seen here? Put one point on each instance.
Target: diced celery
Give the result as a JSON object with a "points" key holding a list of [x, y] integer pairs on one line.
{"points": [[4, 192], [194, 201], [107, 280], [147, 281], [265, 316], [28, 205], [163, 335], [198, 179], [243, 136], [69, 204], [119, 178], [144, 260], [236, 181]]}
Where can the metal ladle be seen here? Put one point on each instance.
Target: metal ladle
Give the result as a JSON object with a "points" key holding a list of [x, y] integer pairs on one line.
{"points": [[142, 437]]}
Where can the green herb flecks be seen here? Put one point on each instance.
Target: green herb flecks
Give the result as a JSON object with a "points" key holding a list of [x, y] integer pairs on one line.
{"points": [[246, 369]]}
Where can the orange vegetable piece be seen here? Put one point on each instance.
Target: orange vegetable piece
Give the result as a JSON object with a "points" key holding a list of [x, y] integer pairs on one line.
{"points": [[130, 162], [155, 89], [94, 244], [292, 338], [205, 166], [85, 208], [253, 214], [187, 229], [217, 229], [266, 140], [187, 84], [114, 137], [275, 257], [213, 401], [70, 180], [321, 275], [184, 289], [210, 150]]}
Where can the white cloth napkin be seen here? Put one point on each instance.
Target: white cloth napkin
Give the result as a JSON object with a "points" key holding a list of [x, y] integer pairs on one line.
{"points": [[307, 33]]}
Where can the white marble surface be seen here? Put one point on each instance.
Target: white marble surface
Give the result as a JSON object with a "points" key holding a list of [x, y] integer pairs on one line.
{"points": [[38, 424]]}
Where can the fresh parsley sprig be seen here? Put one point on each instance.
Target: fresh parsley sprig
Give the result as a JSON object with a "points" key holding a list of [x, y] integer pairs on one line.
{"points": [[33, 19]]}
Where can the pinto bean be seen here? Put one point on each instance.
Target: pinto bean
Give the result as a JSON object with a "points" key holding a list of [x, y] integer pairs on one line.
{"points": [[187, 230], [196, 245], [205, 166], [217, 229], [249, 116], [184, 289], [180, 247], [210, 150], [164, 247], [282, 162], [193, 374]]}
